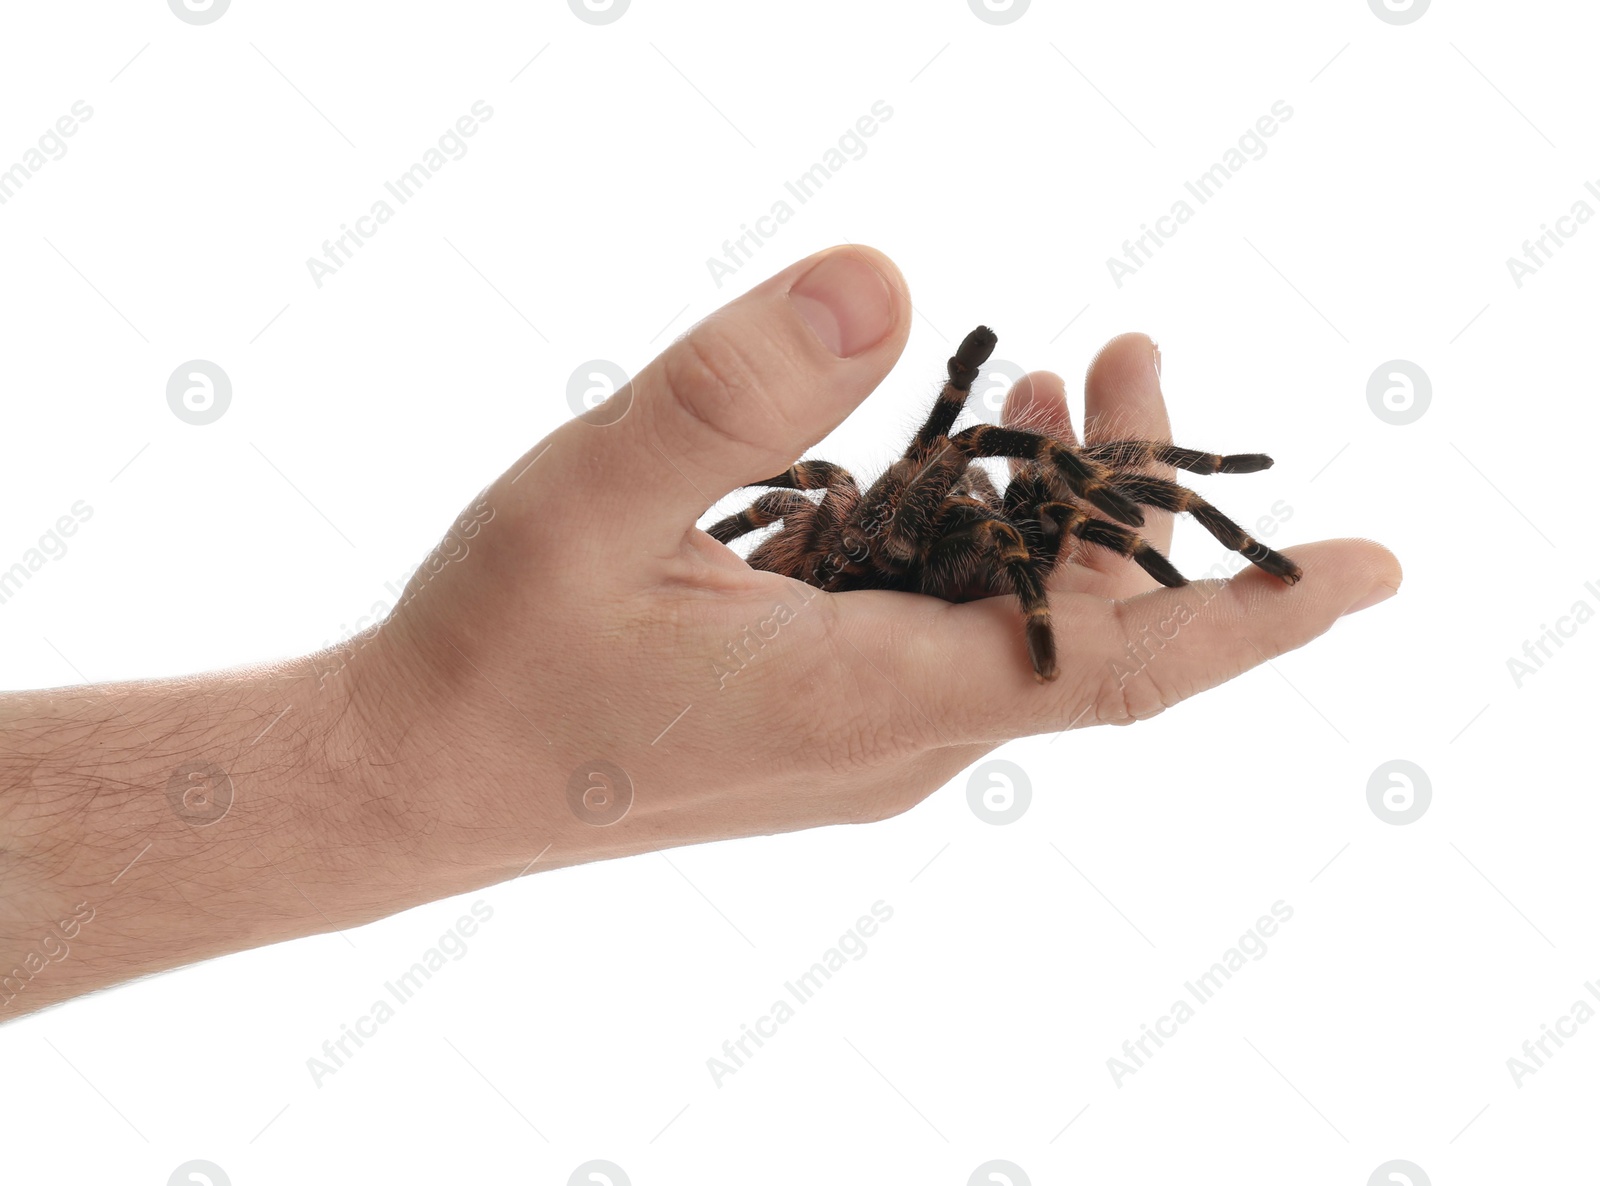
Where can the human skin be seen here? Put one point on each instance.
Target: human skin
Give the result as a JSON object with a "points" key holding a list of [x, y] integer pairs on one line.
{"points": [[569, 625]]}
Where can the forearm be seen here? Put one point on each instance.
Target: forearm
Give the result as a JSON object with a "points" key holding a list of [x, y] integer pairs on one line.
{"points": [[578, 674], [148, 825]]}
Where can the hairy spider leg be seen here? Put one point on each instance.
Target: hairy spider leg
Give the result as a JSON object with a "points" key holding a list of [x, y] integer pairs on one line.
{"points": [[1132, 454], [811, 475], [896, 514], [769, 508], [815, 555], [970, 532], [962, 369], [1169, 496], [1083, 477], [1029, 503]]}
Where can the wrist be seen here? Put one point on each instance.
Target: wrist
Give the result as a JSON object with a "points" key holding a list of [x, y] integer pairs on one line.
{"points": [[435, 736]]}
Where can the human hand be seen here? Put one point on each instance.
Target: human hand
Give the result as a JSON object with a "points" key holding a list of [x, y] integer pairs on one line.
{"points": [[579, 672], [596, 653]]}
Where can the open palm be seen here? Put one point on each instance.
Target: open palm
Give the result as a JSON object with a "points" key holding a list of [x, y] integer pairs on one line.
{"points": [[600, 677]]}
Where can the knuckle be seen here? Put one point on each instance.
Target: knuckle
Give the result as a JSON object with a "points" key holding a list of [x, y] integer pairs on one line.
{"points": [[864, 732], [845, 745], [879, 804], [1125, 698], [1129, 692], [711, 380], [865, 744]]}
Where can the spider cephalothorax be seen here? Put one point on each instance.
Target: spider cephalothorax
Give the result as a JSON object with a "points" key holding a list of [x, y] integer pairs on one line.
{"points": [[934, 522]]}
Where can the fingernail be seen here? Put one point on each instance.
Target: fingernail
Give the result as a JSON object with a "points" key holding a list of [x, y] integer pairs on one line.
{"points": [[1155, 348], [846, 302], [1378, 592]]}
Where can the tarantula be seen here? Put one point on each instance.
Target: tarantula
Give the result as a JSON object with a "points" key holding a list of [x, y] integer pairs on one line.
{"points": [[934, 522]]}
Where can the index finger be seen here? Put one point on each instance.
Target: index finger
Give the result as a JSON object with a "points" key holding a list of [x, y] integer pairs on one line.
{"points": [[1120, 660]]}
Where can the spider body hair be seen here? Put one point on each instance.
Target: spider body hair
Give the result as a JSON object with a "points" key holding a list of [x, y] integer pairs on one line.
{"points": [[934, 522]]}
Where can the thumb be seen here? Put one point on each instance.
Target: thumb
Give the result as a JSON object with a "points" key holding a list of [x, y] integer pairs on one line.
{"points": [[751, 387]]}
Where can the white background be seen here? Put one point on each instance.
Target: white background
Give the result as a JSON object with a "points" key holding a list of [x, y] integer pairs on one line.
{"points": [[1019, 157]]}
